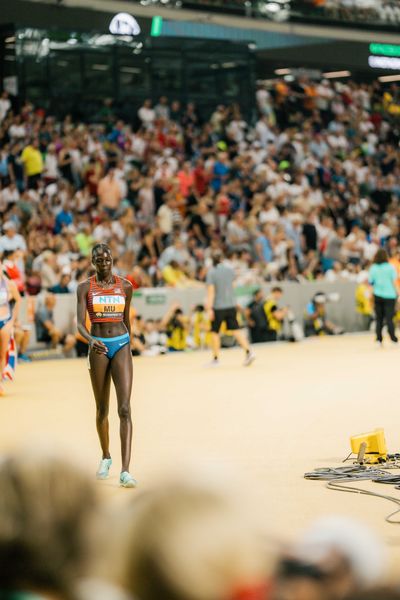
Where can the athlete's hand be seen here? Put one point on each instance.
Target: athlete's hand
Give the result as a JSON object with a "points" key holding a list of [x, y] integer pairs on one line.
{"points": [[211, 315], [98, 347]]}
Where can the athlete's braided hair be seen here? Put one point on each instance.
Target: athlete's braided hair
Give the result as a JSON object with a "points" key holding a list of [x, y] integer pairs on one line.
{"points": [[100, 248]]}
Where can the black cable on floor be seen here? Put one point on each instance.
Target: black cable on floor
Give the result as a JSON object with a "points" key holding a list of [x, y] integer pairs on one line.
{"points": [[340, 478]]}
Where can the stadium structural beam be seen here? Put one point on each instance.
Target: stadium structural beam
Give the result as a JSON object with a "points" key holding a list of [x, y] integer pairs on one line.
{"points": [[301, 29]]}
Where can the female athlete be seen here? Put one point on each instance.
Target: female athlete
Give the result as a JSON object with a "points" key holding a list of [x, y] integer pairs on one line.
{"points": [[107, 299], [10, 301]]}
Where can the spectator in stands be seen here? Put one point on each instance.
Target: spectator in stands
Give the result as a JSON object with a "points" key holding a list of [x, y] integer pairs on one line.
{"points": [[11, 240], [176, 326], [275, 314], [32, 160], [257, 319], [62, 287], [325, 182], [46, 329], [316, 320], [109, 194]]}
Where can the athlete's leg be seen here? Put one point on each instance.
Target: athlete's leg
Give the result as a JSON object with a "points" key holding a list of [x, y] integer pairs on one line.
{"points": [[5, 334], [379, 313], [215, 344], [100, 375], [122, 376], [241, 339], [389, 308]]}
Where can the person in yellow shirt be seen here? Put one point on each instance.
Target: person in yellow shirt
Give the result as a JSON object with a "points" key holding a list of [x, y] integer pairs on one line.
{"points": [[364, 302], [174, 276], [201, 327], [395, 261], [175, 325], [274, 314], [32, 160]]}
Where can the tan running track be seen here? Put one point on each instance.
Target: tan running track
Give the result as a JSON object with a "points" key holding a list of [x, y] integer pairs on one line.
{"points": [[290, 412]]}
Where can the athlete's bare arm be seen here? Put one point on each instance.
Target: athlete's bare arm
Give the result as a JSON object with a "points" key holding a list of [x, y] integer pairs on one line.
{"points": [[82, 292], [128, 289]]}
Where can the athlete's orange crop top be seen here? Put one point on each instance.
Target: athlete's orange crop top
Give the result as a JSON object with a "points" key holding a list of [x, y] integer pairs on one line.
{"points": [[106, 306]]}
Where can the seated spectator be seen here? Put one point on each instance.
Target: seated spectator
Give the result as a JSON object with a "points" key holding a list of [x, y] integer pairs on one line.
{"points": [[62, 287], [138, 340], [176, 326], [155, 340], [11, 240], [201, 326], [22, 336], [11, 261], [364, 301], [174, 276], [46, 330], [316, 321]]}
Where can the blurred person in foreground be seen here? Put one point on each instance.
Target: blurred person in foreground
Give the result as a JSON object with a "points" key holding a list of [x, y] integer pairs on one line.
{"points": [[193, 539], [46, 512], [334, 558], [221, 308], [382, 277]]}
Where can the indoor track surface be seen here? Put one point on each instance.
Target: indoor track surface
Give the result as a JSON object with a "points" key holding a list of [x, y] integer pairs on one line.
{"points": [[292, 411]]}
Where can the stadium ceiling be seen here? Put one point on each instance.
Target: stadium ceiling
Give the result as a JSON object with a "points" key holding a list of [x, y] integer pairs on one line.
{"points": [[327, 32]]}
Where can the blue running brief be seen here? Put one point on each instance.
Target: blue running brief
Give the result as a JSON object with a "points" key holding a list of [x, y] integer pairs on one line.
{"points": [[114, 344]]}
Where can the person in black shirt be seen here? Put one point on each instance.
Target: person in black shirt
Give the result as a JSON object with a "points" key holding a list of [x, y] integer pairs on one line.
{"points": [[15, 166], [381, 197], [310, 233], [257, 319], [198, 226]]}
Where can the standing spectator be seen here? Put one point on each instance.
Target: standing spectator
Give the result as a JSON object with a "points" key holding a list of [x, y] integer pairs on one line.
{"points": [[147, 114], [162, 109], [5, 105], [109, 194], [186, 179], [33, 164], [382, 277]]}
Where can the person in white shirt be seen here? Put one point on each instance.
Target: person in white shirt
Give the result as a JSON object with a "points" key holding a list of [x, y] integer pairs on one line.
{"points": [[264, 134], [11, 240], [10, 194], [17, 131], [146, 114], [51, 172], [166, 216], [5, 105]]}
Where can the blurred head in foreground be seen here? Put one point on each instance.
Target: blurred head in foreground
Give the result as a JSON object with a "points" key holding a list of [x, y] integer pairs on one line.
{"points": [[335, 557], [46, 507], [191, 540]]}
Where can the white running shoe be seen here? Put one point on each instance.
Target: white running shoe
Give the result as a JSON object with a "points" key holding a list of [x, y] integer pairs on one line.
{"points": [[126, 480], [104, 467], [250, 358]]}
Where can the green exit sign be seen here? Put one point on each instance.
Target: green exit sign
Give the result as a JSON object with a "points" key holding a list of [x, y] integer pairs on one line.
{"points": [[156, 26], [385, 49]]}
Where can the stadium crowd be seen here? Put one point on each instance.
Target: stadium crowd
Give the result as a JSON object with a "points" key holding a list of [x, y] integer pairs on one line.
{"points": [[309, 190], [188, 538]]}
